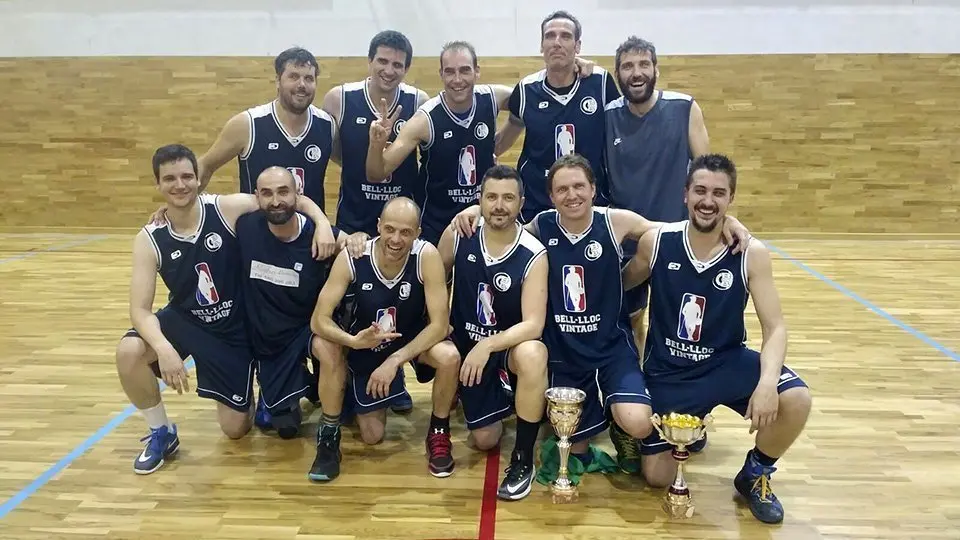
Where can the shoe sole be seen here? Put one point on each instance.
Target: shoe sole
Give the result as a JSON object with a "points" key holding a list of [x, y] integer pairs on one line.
{"points": [[163, 462], [746, 500], [440, 474], [320, 477]]}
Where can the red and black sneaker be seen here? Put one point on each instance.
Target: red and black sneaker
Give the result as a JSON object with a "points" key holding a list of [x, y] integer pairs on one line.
{"points": [[439, 452]]}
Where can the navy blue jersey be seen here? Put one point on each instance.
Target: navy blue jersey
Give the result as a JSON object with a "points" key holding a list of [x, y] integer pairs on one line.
{"points": [[281, 282], [585, 330], [200, 271], [697, 308], [487, 290], [455, 158], [305, 154], [397, 304], [648, 157], [559, 122], [361, 201]]}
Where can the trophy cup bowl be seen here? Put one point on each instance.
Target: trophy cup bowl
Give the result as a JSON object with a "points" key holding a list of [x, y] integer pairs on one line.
{"points": [[564, 408], [680, 430]]}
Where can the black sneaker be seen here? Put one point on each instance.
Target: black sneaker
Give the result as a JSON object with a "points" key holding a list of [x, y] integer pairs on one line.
{"points": [[326, 466], [287, 423], [628, 454], [439, 452], [518, 480], [753, 484]]}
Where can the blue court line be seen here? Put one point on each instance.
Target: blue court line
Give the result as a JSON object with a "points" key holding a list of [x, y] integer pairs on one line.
{"points": [[866, 303], [55, 247], [13, 502]]}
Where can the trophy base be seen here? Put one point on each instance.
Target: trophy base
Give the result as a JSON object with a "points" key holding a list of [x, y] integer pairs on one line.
{"points": [[564, 495], [678, 505]]}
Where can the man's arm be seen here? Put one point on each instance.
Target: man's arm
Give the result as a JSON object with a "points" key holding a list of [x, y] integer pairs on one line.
{"points": [[333, 291], [766, 300], [510, 132], [232, 141], [234, 205], [627, 224], [438, 308], [501, 94], [445, 250], [533, 301], [382, 159], [332, 103], [638, 269], [698, 138]]}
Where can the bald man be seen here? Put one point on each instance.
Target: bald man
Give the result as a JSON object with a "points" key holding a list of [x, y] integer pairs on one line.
{"points": [[281, 281], [395, 301]]}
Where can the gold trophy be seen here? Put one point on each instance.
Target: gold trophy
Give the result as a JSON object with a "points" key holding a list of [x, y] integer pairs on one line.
{"points": [[680, 430], [564, 407]]}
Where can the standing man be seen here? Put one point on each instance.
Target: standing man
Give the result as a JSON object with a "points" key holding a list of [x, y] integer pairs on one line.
{"points": [[651, 136], [281, 283], [561, 110], [354, 107], [397, 312], [455, 132], [696, 356]]}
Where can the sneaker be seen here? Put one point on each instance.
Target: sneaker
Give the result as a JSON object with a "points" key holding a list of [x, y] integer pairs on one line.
{"points": [[326, 466], [287, 423], [753, 484], [263, 419], [518, 481], [161, 444], [439, 452], [505, 382], [699, 445], [403, 404], [628, 453]]}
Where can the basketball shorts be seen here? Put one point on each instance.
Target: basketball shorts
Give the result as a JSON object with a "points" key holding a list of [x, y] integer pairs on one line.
{"points": [[489, 401], [364, 403], [619, 381], [224, 367], [283, 377], [730, 382]]}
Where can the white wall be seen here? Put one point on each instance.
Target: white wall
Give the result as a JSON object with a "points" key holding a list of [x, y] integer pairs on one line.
{"points": [[496, 27]]}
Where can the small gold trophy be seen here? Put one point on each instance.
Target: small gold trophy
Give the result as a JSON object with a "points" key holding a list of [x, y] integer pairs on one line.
{"points": [[679, 430], [564, 407]]}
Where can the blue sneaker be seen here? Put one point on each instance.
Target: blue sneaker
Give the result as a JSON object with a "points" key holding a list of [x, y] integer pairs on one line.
{"points": [[161, 444], [753, 484], [699, 445], [263, 419], [403, 404]]}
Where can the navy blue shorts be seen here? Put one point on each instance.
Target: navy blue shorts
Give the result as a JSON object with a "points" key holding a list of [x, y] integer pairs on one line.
{"points": [[283, 378], [224, 369], [490, 401], [616, 382], [364, 403], [730, 383]]}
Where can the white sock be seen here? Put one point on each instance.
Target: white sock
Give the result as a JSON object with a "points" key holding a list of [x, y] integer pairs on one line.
{"points": [[157, 416]]}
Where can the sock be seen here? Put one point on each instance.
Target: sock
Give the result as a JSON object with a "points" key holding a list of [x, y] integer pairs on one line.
{"points": [[526, 438], [439, 424], [156, 417], [762, 459], [586, 458], [330, 420]]}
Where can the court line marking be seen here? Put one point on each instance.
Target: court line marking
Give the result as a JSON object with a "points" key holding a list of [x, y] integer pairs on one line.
{"points": [[12, 503], [56, 247], [953, 355], [488, 501]]}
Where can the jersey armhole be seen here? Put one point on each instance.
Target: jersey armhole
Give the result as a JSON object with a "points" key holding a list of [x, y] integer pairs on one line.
{"points": [[216, 206], [252, 131], [526, 269], [351, 268], [744, 270], [656, 249], [156, 248], [496, 106], [608, 219]]}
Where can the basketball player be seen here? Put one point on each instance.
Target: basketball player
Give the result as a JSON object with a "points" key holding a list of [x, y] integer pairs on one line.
{"points": [[561, 110], [354, 108], [455, 132], [196, 254], [696, 356], [281, 283], [289, 131], [498, 311], [651, 136], [398, 313]]}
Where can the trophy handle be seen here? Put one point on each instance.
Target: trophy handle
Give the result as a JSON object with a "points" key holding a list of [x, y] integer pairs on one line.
{"points": [[655, 420]]}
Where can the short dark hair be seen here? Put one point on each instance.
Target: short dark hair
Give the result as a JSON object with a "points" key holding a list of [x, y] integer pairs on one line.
{"points": [[714, 163], [570, 161], [635, 44], [502, 172], [296, 56], [391, 39], [172, 153], [451, 45], [577, 29]]}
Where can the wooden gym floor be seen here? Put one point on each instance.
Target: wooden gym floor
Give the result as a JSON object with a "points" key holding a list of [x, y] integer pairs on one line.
{"points": [[870, 320]]}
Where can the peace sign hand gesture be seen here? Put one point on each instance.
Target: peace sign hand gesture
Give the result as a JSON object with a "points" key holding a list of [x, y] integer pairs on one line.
{"points": [[381, 127]]}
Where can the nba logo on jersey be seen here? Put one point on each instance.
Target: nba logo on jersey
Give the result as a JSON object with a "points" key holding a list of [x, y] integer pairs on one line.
{"points": [[485, 314], [467, 172], [564, 140], [574, 293], [691, 317], [206, 290], [387, 319], [298, 175]]}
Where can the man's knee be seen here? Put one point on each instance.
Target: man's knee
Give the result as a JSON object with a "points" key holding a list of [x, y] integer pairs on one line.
{"points": [[443, 356], [327, 352], [132, 352], [633, 418], [234, 424], [529, 360], [487, 437], [372, 427], [796, 403]]}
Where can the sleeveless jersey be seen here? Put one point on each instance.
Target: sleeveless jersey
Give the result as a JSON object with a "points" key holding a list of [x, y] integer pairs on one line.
{"points": [[487, 290], [200, 271], [557, 125], [361, 201], [455, 158], [281, 282], [697, 308], [648, 157], [397, 305], [305, 154], [585, 329]]}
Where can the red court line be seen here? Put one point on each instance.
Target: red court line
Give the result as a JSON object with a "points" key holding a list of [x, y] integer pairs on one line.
{"points": [[488, 506]]}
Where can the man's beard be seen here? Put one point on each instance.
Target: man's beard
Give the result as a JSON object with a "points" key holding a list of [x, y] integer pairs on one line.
{"points": [[648, 89], [280, 216]]}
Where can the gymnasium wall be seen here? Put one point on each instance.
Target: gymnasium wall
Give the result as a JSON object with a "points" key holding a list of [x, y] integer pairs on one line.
{"points": [[843, 116]]}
